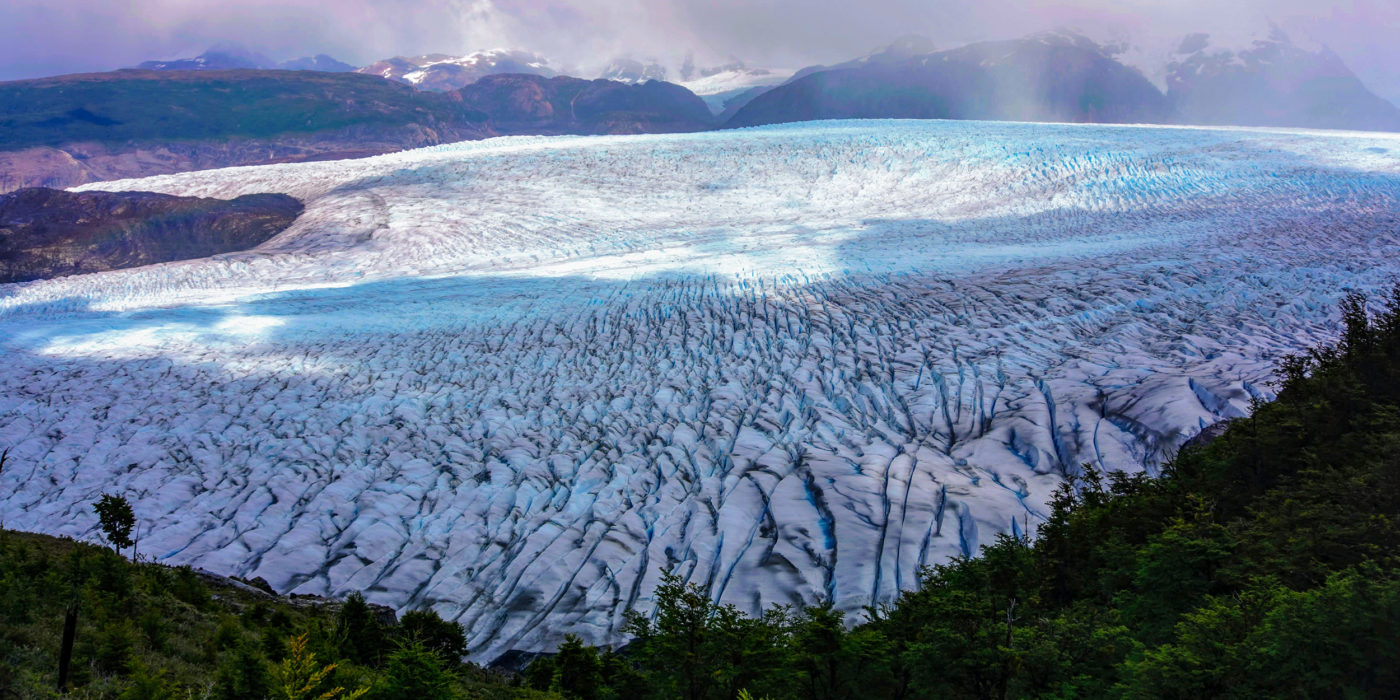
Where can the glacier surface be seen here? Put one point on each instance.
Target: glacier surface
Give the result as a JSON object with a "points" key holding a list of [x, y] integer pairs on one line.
{"points": [[515, 378]]}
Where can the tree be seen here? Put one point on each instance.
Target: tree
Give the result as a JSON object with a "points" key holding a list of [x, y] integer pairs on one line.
{"points": [[361, 637], [697, 649], [446, 639], [299, 677], [242, 673], [115, 518], [577, 671], [414, 672]]}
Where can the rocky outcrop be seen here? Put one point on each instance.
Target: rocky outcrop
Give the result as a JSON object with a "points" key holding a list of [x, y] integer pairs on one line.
{"points": [[48, 233]]}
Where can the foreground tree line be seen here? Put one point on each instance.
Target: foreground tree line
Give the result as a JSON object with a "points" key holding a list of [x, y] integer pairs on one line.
{"points": [[1261, 565], [147, 632]]}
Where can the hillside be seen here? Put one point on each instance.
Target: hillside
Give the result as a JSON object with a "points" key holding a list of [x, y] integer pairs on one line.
{"points": [[532, 104], [152, 631], [58, 132], [81, 128]]}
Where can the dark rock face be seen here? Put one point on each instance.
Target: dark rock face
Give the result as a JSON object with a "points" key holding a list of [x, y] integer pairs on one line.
{"points": [[1046, 77], [1272, 83], [520, 104], [48, 233]]}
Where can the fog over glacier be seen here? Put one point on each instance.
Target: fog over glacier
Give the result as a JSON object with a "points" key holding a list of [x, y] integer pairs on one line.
{"points": [[515, 378]]}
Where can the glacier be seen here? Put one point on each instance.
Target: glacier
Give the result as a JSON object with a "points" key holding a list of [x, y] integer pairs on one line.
{"points": [[513, 379]]}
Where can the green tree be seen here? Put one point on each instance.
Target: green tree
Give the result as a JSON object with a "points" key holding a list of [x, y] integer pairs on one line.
{"points": [[358, 631], [242, 673], [300, 677], [116, 519], [578, 673], [413, 671], [697, 649], [446, 639]]}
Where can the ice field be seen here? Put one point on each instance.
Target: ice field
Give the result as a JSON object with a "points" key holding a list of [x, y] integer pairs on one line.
{"points": [[515, 378]]}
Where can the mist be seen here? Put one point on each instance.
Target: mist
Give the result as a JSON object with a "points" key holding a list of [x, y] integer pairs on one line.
{"points": [[48, 37]]}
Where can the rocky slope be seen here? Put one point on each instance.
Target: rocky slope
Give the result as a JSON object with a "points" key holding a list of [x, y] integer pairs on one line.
{"points": [[1272, 82], [48, 233], [1054, 76], [537, 105]]}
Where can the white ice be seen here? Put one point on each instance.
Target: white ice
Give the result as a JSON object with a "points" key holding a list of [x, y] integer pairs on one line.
{"points": [[515, 378]]}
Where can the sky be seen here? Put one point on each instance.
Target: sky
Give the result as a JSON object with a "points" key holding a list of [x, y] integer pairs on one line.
{"points": [[49, 37]]}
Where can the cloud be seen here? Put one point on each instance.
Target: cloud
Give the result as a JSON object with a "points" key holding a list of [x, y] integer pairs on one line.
{"points": [[40, 37]]}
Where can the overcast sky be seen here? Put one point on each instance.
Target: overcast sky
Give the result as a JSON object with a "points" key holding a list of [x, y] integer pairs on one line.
{"points": [[47, 37]]}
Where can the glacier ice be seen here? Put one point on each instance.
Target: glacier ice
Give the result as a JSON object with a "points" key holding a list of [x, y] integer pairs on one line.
{"points": [[515, 378]]}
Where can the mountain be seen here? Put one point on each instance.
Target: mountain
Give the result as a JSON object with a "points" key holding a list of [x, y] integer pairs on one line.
{"points": [[900, 50], [441, 72], [46, 233], [319, 62], [1272, 82], [72, 129], [234, 57], [224, 57], [520, 103], [731, 101], [626, 70], [1052, 76]]}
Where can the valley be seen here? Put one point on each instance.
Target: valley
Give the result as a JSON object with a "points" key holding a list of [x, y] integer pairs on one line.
{"points": [[514, 378]]}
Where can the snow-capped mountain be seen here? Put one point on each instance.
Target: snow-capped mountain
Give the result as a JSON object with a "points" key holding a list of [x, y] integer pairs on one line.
{"points": [[1271, 81], [515, 378], [626, 70], [441, 72]]}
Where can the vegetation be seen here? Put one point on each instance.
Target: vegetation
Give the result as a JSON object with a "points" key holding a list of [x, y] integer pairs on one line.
{"points": [[1261, 565], [149, 631]]}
